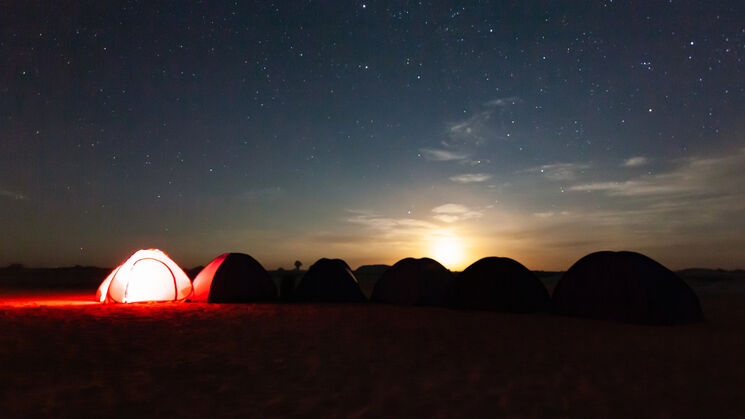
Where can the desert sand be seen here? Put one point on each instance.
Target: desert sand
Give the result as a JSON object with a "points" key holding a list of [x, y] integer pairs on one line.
{"points": [[64, 355]]}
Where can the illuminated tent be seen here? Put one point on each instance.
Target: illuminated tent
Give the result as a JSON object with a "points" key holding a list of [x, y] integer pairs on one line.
{"points": [[500, 284], [414, 282], [148, 275], [233, 278], [625, 286], [329, 280]]}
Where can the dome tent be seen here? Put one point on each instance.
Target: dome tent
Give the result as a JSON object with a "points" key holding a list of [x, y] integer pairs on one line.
{"points": [[148, 275], [329, 280], [625, 286], [233, 278], [414, 282], [500, 284]]}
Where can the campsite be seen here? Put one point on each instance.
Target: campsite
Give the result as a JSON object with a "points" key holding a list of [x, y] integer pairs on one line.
{"points": [[372, 209], [67, 353]]}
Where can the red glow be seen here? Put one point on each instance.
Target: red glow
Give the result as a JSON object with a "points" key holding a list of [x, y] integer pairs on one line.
{"points": [[148, 275], [23, 299], [203, 281]]}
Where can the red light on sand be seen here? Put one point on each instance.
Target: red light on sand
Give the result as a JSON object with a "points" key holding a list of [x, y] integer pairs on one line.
{"points": [[148, 275], [44, 298]]}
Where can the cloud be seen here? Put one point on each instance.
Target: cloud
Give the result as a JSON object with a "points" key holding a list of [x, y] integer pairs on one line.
{"points": [[695, 202], [375, 234], [446, 218], [549, 214], [642, 187], [476, 130], [505, 101], [635, 161], [470, 178], [392, 230], [450, 209], [481, 126], [598, 186], [559, 171], [435, 154], [4, 193], [450, 213], [703, 193], [472, 130], [696, 177]]}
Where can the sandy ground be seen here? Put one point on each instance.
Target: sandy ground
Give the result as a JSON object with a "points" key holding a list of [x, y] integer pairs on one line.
{"points": [[63, 355]]}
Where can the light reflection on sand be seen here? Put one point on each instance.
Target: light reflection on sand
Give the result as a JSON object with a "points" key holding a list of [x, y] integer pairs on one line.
{"points": [[26, 298]]}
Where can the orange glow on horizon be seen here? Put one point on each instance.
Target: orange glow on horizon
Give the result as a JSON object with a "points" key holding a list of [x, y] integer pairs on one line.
{"points": [[448, 248]]}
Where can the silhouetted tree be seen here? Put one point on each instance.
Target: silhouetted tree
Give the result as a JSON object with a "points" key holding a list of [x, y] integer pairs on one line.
{"points": [[298, 264]]}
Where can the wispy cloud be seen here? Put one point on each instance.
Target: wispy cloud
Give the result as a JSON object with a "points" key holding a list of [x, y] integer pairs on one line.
{"points": [[694, 202], [633, 187], [549, 214], [398, 230], [4, 193], [465, 135], [694, 177], [475, 129], [470, 178], [450, 213], [505, 101], [635, 161], [375, 234], [482, 126], [436, 154], [559, 171], [697, 194]]}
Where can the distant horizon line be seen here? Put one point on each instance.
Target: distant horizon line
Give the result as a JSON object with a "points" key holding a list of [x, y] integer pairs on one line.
{"points": [[11, 266]]}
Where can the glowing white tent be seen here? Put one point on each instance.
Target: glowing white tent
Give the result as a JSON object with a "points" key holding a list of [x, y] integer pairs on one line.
{"points": [[148, 275]]}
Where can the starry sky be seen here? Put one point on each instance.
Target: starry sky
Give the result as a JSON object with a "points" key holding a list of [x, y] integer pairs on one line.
{"points": [[371, 131]]}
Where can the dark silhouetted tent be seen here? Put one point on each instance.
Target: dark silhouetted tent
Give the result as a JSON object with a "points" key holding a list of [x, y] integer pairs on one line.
{"points": [[625, 286], [329, 280], [233, 278], [500, 284], [414, 282]]}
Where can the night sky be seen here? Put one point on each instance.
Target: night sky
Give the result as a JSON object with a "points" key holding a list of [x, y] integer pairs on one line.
{"points": [[372, 131]]}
